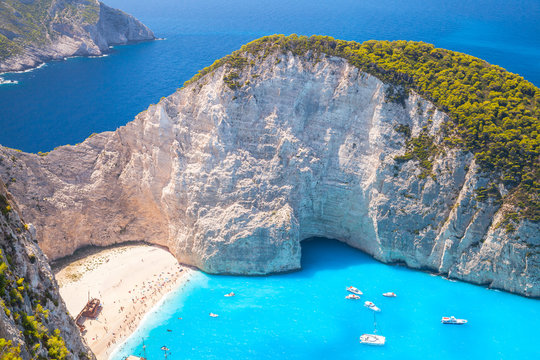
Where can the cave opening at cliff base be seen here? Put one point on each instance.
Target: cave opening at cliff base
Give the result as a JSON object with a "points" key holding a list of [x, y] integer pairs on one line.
{"points": [[321, 253]]}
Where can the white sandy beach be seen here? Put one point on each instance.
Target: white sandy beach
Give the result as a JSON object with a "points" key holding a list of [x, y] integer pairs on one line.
{"points": [[128, 280]]}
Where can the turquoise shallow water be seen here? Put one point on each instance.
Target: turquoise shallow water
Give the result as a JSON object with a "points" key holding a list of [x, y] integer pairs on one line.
{"points": [[64, 102], [303, 315]]}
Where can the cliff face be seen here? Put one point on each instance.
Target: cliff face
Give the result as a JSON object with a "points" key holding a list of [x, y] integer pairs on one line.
{"points": [[33, 317], [33, 32], [233, 171]]}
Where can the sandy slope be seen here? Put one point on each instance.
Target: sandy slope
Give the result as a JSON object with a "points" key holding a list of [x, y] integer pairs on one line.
{"points": [[128, 280]]}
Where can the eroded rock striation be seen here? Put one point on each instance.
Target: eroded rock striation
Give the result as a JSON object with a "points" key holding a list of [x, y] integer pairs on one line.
{"points": [[34, 322], [233, 171], [35, 31]]}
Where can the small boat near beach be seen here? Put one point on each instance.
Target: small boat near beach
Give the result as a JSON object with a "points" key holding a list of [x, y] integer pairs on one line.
{"points": [[354, 290], [166, 351], [389, 294], [229, 294], [453, 321], [371, 306], [214, 315], [352, 297]]}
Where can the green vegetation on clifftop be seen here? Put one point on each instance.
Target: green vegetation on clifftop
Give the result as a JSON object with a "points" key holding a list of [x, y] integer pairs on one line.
{"points": [[494, 113]]}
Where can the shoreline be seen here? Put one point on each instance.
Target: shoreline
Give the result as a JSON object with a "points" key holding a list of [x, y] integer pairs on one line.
{"points": [[45, 59], [130, 281], [120, 345]]}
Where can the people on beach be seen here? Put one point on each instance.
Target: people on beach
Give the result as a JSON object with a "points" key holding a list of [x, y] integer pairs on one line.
{"points": [[107, 331]]}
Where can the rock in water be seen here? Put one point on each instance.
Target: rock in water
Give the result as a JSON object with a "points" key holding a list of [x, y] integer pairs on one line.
{"points": [[273, 147], [33, 32]]}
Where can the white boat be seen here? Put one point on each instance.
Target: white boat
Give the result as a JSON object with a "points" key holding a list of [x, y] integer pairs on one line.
{"points": [[229, 294], [352, 297], [214, 315], [371, 306], [389, 294], [354, 290], [372, 339], [452, 320]]}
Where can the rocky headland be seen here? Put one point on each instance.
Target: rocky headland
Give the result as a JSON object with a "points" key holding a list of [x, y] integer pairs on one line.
{"points": [[269, 147], [35, 31], [34, 322]]}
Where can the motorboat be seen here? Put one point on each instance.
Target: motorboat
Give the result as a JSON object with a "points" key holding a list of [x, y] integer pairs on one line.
{"points": [[372, 339], [214, 315], [371, 306], [352, 297], [452, 320], [389, 294], [229, 294], [354, 290]]}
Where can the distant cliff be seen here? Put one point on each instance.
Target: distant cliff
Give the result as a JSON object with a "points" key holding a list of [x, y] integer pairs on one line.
{"points": [[34, 323], [282, 141], [35, 31]]}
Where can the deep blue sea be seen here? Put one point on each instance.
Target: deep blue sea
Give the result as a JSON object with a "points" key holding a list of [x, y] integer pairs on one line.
{"points": [[65, 102], [304, 315]]}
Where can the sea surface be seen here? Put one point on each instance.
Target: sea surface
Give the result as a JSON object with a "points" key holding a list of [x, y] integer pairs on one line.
{"points": [[64, 102], [304, 315]]}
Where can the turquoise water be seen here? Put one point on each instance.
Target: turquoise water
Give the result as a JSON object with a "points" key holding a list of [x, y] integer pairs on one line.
{"points": [[304, 315], [65, 102]]}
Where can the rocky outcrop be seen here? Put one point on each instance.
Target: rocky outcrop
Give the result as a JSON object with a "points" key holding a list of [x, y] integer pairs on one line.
{"points": [[232, 172], [62, 28], [33, 317]]}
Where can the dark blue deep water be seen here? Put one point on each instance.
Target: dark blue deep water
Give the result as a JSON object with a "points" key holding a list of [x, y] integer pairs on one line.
{"points": [[64, 102], [304, 315]]}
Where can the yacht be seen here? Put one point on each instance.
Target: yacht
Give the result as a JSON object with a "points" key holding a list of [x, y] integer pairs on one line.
{"points": [[389, 294], [452, 320], [352, 297], [372, 339], [371, 306], [354, 290]]}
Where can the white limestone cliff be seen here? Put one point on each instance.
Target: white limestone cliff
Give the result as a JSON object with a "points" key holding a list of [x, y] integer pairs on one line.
{"points": [[75, 28], [232, 181]]}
